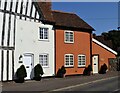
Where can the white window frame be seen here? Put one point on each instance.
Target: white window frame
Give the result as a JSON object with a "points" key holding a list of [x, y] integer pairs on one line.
{"points": [[44, 34], [82, 60], [69, 60], [69, 37], [43, 59]]}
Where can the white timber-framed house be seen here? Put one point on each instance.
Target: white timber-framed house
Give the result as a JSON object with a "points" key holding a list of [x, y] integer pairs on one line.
{"points": [[26, 37]]}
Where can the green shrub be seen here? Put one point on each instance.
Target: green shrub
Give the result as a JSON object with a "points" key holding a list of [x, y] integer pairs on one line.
{"points": [[38, 72], [61, 72], [21, 74]]}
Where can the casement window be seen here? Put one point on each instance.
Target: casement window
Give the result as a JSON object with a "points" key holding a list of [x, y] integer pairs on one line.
{"points": [[43, 59], [81, 60], [43, 33], [69, 60], [69, 37]]}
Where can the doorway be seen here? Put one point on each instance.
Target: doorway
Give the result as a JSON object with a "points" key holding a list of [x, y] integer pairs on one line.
{"points": [[28, 61], [95, 60]]}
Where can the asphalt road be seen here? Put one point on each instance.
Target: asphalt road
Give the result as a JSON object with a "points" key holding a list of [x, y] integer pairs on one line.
{"points": [[110, 85], [107, 82]]}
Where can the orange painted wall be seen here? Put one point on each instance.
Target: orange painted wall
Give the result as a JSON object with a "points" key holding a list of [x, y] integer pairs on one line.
{"points": [[104, 54], [81, 45]]}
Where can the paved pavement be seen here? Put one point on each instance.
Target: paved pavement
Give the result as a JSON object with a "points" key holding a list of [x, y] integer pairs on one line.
{"points": [[53, 84]]}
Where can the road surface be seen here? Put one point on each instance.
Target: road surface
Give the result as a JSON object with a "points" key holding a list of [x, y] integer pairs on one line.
{"points": [[109, 82]]}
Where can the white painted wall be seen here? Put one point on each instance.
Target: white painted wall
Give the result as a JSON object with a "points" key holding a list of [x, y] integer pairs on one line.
{"points": [[26, 27], [27, 41]]}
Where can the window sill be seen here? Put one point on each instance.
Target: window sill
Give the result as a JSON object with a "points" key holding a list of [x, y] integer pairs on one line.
{"points": [[69, 66], [45, 66], [44, 40], [81, 66], [69, 42]]}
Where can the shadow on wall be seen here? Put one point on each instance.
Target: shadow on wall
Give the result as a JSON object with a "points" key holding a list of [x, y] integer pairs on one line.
{"points": [[38, 72], [87, 71], [103, 69], [61, 72], [32, 74], [20, 74]]}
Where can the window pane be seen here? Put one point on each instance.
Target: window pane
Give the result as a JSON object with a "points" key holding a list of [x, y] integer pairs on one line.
{"points": [[43, 33], [43, 60], [81, 60], [69, 36], [83, 63], [66, 36], [69, 60]]}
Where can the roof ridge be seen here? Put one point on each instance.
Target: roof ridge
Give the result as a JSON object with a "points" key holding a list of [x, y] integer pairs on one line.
{"points": [[63, 12]]}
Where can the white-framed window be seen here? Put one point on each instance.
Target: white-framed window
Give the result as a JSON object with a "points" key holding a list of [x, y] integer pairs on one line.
{"points": [[43, 59], [81, 60], [69, 37], [43, 33], [69, 60]]}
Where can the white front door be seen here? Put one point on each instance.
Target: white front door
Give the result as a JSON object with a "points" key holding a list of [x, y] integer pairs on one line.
{"points": [[95, 63], [28, 62]]}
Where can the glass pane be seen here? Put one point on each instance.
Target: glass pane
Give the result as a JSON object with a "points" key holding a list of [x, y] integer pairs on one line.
{"points": [[83, 62], [71, 63], [45, 33], [41, 33], [71, 36], [66, 36], [67, 64]]}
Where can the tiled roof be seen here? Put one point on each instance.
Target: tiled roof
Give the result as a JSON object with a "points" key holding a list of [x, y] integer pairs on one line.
{"points": [[63, 19], [45, 8], [70, 20]]}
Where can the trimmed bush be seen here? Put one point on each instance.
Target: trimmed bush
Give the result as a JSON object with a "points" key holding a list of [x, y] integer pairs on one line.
{"points": [[61, 72], [103, 69], [87, 70], [89, 67], [38, 72], [21, 74]]}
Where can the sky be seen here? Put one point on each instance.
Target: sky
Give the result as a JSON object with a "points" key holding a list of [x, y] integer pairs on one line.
{"points": [[102, 16]]}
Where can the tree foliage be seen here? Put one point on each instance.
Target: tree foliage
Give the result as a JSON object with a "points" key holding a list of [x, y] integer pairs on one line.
{"points": [[114, 36]]}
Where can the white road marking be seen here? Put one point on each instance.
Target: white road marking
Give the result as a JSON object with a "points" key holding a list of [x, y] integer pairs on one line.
{"points": [[116, 90], [69, 87]]}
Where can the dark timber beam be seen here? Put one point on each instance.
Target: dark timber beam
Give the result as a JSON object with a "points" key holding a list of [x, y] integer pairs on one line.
{"points": [[26, 9], [0, 3], [6, 48], [13, 65], [8, 40], [21, 9], [35, 15], [31, 10], [16, 8], [2, 62], [17, 14], [3, 27]]}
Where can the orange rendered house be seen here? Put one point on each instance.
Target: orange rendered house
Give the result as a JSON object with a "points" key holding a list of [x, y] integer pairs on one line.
{"points": [[101, 54], [72, 42]]}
